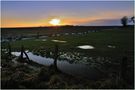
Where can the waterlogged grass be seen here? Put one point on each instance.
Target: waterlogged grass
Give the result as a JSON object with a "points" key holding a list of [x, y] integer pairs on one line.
{"points": [[122, 39], [22, 76]]}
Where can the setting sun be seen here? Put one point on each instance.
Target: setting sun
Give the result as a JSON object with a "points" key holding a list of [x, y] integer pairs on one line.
{"points": [[55, 21]]}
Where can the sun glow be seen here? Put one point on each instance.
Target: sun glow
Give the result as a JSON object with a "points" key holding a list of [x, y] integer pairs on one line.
{"points": [[54, 22]]}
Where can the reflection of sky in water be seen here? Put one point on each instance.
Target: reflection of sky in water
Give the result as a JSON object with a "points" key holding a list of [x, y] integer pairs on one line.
{"points": [[73, 69], [111, 46], [38, 59], [59, 41], [86, 47]]}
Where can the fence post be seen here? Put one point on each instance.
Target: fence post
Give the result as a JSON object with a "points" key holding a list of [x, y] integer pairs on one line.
{"points": [[9, 49], [56, 56], [124, 67], [26, 56], [22, 48], [23, 51]]}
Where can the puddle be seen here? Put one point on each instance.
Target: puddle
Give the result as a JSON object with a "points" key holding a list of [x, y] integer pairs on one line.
{"points": [[111, 46], [66, 33], [36, 58], [42, 37], [84, 70], [26, 38], [26, 51], [85, 47], [4, 50], [41, 40], [4, 40], [73, 33], [53, 35], [57, 34], [37, 40], [59, 41]]}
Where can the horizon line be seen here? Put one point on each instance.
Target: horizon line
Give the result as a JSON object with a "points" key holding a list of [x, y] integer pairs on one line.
{"points": [[68, 26]]}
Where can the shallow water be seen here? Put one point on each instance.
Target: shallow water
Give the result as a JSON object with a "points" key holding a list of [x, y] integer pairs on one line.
{"points": [[40, 39], [85, 47], [44, 40], [26, 38], [111, 46], [73, 69], [60, 41]]}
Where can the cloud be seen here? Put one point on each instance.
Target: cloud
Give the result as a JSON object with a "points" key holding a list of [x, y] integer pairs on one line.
{"points": [[105, 22]]}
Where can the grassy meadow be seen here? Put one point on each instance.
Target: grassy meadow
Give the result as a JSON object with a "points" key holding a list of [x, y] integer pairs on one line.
{"points": [[119, 37]]}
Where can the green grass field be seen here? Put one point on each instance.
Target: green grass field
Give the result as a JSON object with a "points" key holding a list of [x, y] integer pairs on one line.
{"points": [[120, 38]]}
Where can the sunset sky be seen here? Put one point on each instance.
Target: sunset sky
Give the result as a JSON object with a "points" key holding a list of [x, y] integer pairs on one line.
{"points": [[40, 13]]}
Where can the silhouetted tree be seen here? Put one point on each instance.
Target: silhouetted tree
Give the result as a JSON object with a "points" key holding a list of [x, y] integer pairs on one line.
{"points": [[132, 19], [124, 21]]}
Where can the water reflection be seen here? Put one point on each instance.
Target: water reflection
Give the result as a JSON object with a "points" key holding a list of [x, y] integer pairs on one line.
{"points": [[59, 41], [85, 47], [67, 66], [40, 39], [39, 59], [111, 46]]}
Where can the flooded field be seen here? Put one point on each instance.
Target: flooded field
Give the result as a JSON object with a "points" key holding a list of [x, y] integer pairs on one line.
{"points": [[92, 56], [68, 44], [67, 66]]}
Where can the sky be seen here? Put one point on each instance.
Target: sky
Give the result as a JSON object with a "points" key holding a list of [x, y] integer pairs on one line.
{"points": [[87, 13]]}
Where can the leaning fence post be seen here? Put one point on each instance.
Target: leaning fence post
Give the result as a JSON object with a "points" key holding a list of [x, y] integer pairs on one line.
{"points": [[26, 56], [23, 51]]}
